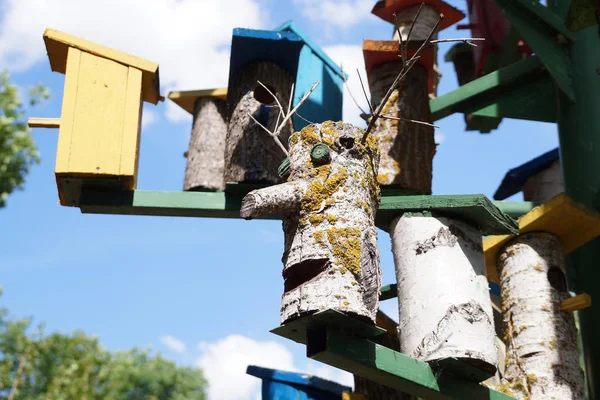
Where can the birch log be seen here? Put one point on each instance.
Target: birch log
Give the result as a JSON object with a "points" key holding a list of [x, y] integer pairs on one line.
{"points": [[544, 185], [443, 296], [542, 355], [251, 154], [204, 169], [331, 259], [407, 149]]}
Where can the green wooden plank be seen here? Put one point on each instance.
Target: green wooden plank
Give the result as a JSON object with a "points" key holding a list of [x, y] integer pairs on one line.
{"points": [[484, 91], [388, 367], [297, 330], [515, 209], [388, 292], [475, 209], [540, 27]]}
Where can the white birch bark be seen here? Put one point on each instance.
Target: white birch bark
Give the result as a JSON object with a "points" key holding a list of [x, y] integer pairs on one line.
{"points": [[544, 185], [443, 296], [423, 25], [205, 160], [331, 259], [542, 356]]}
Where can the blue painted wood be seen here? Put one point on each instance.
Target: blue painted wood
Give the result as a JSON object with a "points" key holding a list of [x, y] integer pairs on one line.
{"points": [[314, 65], [515, 178], [282, 385]]}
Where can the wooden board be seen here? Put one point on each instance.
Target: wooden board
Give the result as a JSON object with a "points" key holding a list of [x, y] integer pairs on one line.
{"points": [[187, 99], [58, 44], [572, 222]]}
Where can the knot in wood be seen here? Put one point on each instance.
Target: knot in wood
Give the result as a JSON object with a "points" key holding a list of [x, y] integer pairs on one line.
{"points": [[320, 154]]}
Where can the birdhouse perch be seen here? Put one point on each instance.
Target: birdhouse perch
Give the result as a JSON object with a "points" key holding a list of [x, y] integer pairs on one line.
{"points": [[99, 134]]}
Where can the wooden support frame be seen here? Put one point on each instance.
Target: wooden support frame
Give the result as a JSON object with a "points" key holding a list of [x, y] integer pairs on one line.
{"points": [[388, 367], [187, 99]]}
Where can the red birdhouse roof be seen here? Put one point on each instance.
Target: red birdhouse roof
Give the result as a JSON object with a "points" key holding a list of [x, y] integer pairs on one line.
{"points": [[385, 9]]}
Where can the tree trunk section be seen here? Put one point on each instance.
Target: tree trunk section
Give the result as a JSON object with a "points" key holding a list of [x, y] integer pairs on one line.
{"points": [[204, 169], [251, 154], [544, 185], [542, 356], [406, 148], [443, 296], [331, 258]]}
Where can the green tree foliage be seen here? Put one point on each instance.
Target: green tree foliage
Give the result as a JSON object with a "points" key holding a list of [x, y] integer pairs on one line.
{"points": [[17, 148], [34, 366]]}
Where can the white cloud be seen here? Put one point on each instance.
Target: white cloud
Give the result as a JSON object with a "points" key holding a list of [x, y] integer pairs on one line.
{"points": [[350, 57], [148, 118], [439, 137], [189, 39], [339, 13], [172, 343], [224, 364]]}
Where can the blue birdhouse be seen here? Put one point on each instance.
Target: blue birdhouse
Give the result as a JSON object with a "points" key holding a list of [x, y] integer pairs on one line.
{"points": [[282, 385]]}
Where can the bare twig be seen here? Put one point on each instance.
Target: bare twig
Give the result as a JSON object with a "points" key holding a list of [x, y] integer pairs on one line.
{"points": [[414, 22], [464, 40], [272, 94], [291, 99], [351, 95], [402, 45], [302, 118], [385, 116], [365, 92], [302, 100], [281, 146]]}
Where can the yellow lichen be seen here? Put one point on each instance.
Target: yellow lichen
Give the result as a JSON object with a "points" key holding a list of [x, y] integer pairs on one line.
{"points": [[346, 245], [294, 138], [319, 236], [320, 190], [309, 135], [331, 218], [552, 344], [316, 219]]}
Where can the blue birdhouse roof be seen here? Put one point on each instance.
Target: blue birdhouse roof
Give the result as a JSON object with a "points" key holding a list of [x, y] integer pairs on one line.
{"points": [[298, 379], [290, 26], [515, 178]]}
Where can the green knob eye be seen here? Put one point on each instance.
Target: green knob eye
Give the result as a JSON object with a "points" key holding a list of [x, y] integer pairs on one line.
{"points": [[320, 154]]}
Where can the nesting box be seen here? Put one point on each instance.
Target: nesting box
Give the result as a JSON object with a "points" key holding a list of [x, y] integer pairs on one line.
{"points": [[100, 122]]}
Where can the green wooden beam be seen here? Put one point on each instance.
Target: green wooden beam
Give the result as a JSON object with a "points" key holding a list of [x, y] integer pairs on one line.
{"points": [[388, 292], [393, 369], [496, 90], [475, 209], [546, 34]]}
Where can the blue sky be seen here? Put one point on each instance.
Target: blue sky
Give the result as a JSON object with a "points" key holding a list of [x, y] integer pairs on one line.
{"points": [[203, 292]]}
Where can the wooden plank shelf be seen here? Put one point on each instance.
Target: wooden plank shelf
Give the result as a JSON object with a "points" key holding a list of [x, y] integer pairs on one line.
{"points": [[475, 209], [343, 342]]}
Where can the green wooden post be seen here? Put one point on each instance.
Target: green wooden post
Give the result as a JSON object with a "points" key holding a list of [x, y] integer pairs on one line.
{"points": [[579, 135]]}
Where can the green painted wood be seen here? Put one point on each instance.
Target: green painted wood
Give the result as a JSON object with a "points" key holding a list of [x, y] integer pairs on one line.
{"points": [[515, 209], [475, 209], [534, 100], [486, 90], [540, 27], [388, 367], [388, 292], [298, 329]]}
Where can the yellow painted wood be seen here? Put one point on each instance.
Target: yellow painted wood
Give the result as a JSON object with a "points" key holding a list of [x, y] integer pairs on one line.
{"points": [[187, 99], [572, 222], [353, 396], [67, 118], [576, 303], [385, 322], [35, 122], [57, 46], [131, 128]]}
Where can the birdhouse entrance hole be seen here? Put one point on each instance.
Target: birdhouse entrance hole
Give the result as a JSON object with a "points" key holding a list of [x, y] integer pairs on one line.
{"points": [[303, 272], [263, 96]]}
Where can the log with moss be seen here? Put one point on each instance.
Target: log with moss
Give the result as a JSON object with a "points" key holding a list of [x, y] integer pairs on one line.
{"points": [[251, 155], [542, 359], [331, 259], [204, 168]]}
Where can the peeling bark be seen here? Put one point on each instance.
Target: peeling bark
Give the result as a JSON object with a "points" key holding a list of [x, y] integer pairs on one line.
{"points": [[204, 168], [443, 296], [407, 149], [542, 356], [331, 259], [251, 154]]}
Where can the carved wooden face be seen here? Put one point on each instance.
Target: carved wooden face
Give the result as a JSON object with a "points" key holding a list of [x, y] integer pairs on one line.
{"points": [[331, 241]]}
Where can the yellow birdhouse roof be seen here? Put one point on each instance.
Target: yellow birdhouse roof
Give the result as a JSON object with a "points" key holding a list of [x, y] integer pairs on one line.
{"points": [[57, 47], [187, 99]]}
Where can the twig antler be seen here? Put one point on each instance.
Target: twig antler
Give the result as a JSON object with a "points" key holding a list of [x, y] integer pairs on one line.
{"points": [[286, 115]]}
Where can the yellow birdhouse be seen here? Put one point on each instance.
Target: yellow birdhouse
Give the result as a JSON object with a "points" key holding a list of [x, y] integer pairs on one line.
{"points": [[99, 127]]}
